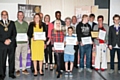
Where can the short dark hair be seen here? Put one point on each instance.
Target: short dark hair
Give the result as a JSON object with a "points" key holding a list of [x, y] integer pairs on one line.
{"points": [[20, 12], [116, 15], [100, 16], [70, 28], [92, 15], [57, 12]]}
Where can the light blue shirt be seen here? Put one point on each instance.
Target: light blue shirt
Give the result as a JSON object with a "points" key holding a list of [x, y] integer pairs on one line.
{"points": [[69, 49]]}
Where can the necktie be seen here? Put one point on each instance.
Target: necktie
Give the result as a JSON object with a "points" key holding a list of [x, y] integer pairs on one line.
{"points": [[5, 22]]}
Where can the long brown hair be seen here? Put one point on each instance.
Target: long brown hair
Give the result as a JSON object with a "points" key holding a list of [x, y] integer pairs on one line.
{"points": [[40, 21]]}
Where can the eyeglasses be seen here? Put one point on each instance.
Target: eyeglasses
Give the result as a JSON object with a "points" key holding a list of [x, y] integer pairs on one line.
{"points": [[4, 14]]}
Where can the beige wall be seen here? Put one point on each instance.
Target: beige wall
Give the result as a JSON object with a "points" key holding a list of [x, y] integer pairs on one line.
{"points": [[65, 6]]}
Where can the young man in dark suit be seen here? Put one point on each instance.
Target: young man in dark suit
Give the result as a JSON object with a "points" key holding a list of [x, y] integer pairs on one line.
{"points": [[92, 24], [91, 21], [7, 45], [114, 42]]}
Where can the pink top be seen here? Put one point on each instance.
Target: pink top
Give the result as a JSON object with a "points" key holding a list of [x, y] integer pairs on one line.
{"points": [[50, 28]]}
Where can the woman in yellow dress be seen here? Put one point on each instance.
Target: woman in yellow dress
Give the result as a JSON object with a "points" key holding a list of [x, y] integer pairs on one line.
{"points": [[37, 46]]}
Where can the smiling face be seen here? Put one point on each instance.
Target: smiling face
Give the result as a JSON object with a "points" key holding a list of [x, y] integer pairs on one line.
{"points": [[47, 19], [85, 20], [57, 25], [36, 18], [4, 15], [116, 20], [58, 16], [20, 16], [74, 20], [100, 21], [91, 19], [70, 31], [67, 22]]}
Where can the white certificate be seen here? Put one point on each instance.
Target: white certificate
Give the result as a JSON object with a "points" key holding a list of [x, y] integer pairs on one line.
{"points": [[71, 40], [102, 34], [22, 37], [39, 36], [86, 40], [59, 45]]}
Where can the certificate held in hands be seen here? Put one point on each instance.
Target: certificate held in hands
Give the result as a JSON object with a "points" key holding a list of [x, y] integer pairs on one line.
{"points": [[22, 37], [94, 34], [102, 34], [86, 40], [71, 40], [59, 45], [39, 36]]}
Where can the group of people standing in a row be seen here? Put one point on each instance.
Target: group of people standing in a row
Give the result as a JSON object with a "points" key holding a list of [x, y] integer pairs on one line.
{"points": [[57, 31]]}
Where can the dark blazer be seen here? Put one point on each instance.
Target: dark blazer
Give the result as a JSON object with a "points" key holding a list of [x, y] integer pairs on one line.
{"points": [[10, 34], [113, 39], [30, 30], [93, 25]]}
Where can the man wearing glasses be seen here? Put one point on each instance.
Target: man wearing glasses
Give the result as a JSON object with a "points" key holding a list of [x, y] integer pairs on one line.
{"points": [[7, 45]]}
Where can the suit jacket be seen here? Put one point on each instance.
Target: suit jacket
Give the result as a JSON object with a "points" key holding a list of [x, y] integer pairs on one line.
{"points": [[10, 34], [113, 39], [62, 22], [106, 37], [93, 25], [30, 30]]}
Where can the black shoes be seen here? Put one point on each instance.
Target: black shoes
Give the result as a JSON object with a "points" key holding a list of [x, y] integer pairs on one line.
{"points": [[12, 76]]}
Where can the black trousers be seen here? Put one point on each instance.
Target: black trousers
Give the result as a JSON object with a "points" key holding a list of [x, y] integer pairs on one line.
{"points": [[55, 59], [76, 47], [10, 51], [58, 57], [48, 52], [62, 61]]}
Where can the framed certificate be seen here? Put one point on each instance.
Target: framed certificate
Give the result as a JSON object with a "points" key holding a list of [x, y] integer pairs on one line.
{"points": [[86, 40], [71, 40], [39, 36], [59, 45], [22, 37], [94, 34]]}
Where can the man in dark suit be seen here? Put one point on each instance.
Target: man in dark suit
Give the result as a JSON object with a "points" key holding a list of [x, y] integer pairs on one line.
{"points": [[58, 17], [7, 45], [91, 21], [92, 24]]}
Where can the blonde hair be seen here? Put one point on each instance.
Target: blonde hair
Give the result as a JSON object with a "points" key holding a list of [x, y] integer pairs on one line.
{"points": [[56, 25]]}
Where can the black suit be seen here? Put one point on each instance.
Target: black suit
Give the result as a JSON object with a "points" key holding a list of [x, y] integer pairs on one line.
{"points": [[113, 38], [92, 27], [7, 49]]}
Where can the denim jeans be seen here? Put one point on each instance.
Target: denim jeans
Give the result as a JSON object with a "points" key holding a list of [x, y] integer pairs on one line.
{"points": [[85, 49], [112, 56]]}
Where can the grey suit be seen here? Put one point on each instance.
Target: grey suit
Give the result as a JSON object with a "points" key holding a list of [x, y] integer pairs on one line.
{"points": [[105, 26]]}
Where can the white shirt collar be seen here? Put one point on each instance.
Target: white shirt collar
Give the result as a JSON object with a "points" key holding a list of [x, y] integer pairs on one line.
{"points": [[20, 22], [74, 24]]}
